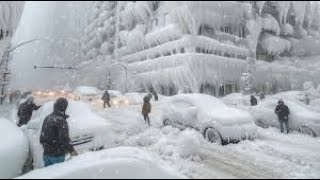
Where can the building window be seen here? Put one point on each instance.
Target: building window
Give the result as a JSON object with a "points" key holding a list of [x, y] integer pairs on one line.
{"points": [[174, 51], [206, 30]]}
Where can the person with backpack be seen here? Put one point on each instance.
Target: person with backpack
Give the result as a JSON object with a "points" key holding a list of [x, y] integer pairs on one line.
{"points": [[146, 109], [283, 112]]}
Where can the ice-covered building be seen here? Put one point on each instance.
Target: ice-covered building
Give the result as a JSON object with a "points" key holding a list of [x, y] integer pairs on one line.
{"points": [[10, 13], [201, 46]]}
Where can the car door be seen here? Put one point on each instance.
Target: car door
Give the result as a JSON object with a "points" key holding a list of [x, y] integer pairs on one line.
{"points": [[184, 112]]}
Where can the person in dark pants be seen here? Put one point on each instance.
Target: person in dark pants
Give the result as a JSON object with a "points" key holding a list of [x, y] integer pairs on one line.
{"points": [[262, 96], [146, 109], [55, 135], [283, 115], [106, 99], [155, 94], [253, 100], [25, 111]]}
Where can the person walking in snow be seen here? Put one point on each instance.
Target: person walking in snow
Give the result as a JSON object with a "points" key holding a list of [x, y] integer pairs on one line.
{"points": [[55, 135], [283, 112], [106, 99], [146, 109], [253, 100], [25, 111], [262, 96], [307, 99], [155, 94]]}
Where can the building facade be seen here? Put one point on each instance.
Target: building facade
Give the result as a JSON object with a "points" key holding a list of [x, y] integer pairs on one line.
{"points": [[206, 47], [10, 13]]}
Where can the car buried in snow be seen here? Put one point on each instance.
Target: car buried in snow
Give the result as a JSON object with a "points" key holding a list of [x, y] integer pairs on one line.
{"points": [[301, 117], [118, 99], [86, 94], [219, 123], [87, 130]]}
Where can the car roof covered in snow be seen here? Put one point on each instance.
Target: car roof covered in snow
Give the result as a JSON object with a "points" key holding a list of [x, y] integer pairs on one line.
{"points": [[209, 106], [86, 90], [81, 120], [295, 107]]}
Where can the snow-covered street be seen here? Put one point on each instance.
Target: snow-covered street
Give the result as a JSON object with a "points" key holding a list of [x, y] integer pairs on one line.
{"points": [[171, 152], [271, 155], [160, 89]]}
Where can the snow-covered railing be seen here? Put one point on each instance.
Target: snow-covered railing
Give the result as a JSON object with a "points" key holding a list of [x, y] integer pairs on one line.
{"points": [[222, 36], [199, 68], [181, 59], [189, 43], [269, 23], [168, 33], [287, 29], [274, 45]]}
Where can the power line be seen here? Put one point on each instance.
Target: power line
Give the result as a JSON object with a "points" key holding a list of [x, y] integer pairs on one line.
{"points": [[53, 67]]}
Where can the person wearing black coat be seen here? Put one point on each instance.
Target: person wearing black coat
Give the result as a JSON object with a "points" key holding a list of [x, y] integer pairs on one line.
{"points": [[253, 101], [55, 135], [25, 111], [283, 115], [106, 99]]}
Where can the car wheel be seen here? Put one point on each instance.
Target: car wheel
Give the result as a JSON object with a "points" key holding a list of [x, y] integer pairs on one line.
{"points": [[167, 122], [213, 136], [307, 130], [260, 123]]}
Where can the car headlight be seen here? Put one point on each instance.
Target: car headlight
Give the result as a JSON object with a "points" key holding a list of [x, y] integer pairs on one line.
{"points": [[126, 102], [115, 102]]}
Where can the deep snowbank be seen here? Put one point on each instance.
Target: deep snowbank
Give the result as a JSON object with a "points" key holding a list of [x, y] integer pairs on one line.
{"points": [[13, 149], [117, 163]]}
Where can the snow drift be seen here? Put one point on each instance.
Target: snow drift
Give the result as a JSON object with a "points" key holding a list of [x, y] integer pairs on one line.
{"points": [[13, 150], [118, 163]]}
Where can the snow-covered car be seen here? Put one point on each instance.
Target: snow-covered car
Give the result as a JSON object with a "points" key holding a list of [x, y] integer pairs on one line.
{"points": [[88, 131], [118, 99], [315, 105], [86, 93], [42, 96], [13, 149], [301, 118], [210, 116], [297, 96], [236, 99], [117, 163]]}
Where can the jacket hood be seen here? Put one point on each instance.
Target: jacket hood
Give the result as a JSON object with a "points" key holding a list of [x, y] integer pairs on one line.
{"points": [[61, 105]]}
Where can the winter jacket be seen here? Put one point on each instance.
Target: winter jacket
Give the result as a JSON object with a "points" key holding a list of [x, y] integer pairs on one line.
{"points": [[156, 98], [25, 112], [283, 112], [253, 101], [55, 132], [146, 109], [106, 96]]}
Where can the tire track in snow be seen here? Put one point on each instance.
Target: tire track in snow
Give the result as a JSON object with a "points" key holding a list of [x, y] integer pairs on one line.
{"points": [[234, 165]]}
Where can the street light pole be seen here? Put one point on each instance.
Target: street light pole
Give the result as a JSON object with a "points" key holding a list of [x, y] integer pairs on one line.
{"points": [[126, 71], [5, 63]]}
